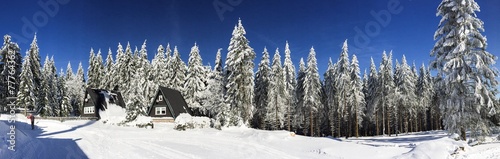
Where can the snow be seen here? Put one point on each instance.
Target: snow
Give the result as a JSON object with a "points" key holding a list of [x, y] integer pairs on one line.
{"points": [[94, 139], [113, 115]]}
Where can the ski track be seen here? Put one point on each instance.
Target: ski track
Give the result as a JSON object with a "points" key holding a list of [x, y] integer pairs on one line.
{"points": [[255, 148], [162, 151]]}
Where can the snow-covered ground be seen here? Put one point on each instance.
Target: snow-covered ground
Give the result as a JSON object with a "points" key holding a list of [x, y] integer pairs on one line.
{"points": [[94, 139]]}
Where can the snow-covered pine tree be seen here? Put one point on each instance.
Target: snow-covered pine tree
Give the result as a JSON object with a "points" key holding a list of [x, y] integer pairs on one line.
{"points": [[72, 88], [356, 98], [109, 72], [127, 70], [26, 96], [79, 87], [166, 67], [92, 80], [156, 76], [45, 92], [195, 82], [49, 89], [55, 99], [35, 65], [372, 97], [275, 110], [143, 69], [424, 91], [239, 77], [329, 89], [419, 108], [62, 100], [312, 92], [290, 85], [343, 88], [135, 105], [261, 91], [121, 68], [216, 106], [299, 115], [398, 106], [386, 92], [99, 70], [461, 59], [366, 118], [69, 72], [407, 100], [178, 68], [9, 82]]}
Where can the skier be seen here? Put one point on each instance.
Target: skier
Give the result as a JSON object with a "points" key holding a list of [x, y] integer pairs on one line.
{"points": [[32, 118]]}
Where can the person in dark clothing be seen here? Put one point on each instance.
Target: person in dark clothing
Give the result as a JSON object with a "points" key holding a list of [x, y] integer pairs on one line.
{"points": [[32, 118]]}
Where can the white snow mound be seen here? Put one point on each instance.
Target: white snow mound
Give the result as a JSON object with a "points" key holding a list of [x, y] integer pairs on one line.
{"points": [[185, 121], [113, 115]]}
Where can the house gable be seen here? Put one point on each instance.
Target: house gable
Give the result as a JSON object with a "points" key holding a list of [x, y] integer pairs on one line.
{"points": [[172, 100], [95, 100]]}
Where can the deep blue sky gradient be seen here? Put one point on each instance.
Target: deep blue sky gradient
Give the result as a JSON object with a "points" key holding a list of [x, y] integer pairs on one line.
{"points": [[79, 25]]}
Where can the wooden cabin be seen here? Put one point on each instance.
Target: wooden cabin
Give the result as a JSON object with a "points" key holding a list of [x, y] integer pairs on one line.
{"points": [[167, 104], [95, 100]]}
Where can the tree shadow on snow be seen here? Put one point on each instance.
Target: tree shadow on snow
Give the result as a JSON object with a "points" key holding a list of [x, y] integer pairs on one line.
{"points": [[31, 144], [394, 141]]}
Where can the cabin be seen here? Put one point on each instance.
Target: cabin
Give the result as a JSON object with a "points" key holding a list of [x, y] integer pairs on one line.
{"points": [[166, 105], [95, 100]]}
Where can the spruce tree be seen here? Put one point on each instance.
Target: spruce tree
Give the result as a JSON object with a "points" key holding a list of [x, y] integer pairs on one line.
{"points": [[195, 82], [386, 92], [342, 87], [329, 88], [26, 96], [10, 69], [465, 67], [239, 77], [79, 86], [356, 98], [299, 115], [405, 85], [178, 68], [372, 97], [92, 80], [290, 85], [109, 72], [312, 92], [99, 70], [216, 106], [261, 90], [36, 74], [275, 110]]}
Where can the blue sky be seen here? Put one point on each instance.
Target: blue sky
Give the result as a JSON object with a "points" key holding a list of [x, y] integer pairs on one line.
{"points": [[69, 30]]}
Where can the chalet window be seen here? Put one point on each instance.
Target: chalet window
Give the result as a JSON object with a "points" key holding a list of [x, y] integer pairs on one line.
{"points": [[88, 110], [161, 110], [160, 98]]}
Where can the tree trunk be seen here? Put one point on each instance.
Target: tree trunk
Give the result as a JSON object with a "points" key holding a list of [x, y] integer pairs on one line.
{"points": [[431, 119], [416, 123], [311, 122], [356, 121], [463, 134], [289, 119], [388, 123], [383, 117], [376, 124]]}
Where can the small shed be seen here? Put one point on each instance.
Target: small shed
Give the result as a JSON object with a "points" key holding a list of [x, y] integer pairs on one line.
{"points": [[168, 103], [95, 100]]}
